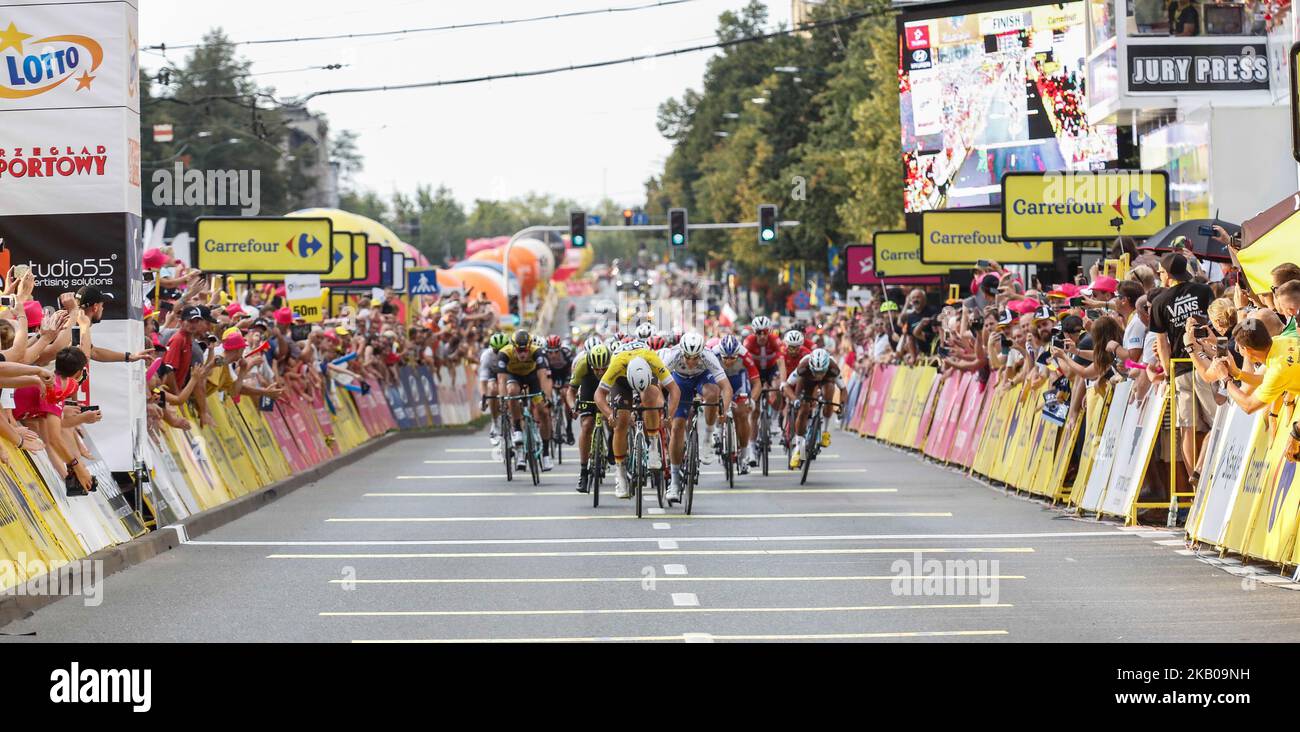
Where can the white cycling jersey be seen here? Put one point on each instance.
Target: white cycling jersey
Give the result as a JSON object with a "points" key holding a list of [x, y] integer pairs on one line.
{"points": [[675, 360], [487, 364]]}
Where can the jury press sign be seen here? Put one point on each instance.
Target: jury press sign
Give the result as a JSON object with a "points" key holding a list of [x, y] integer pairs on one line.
{"points": [[1163, 68]]}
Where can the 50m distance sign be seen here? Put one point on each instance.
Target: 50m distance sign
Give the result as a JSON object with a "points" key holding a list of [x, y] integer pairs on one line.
{"points": [[265, 245]]}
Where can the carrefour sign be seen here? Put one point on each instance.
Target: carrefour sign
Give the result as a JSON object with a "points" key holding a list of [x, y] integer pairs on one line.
{"points": [[265, 245], [1084, 205], [962, 237]]}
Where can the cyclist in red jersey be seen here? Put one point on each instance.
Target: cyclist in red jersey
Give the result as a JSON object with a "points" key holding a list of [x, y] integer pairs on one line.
{"points": [[764, 346]]}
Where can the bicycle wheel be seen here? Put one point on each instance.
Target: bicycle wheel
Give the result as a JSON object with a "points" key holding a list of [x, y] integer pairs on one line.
{"points": [[508, 451], [557, 431], [690, 468], [764, 451], [596, 466], [533, 446], [636, 471], [729, 452], [810, 444]]}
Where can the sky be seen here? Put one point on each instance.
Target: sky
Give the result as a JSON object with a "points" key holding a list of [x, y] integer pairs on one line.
{"points": [[583, 135]]}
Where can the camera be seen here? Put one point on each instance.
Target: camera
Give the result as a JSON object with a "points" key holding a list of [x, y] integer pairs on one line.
{"points": [[1058, 337]]}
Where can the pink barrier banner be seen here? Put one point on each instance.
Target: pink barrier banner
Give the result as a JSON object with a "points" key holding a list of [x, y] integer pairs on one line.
{"points": [[968, 383], [941, 427], [877, 397], [284, 437], [298, 412], [927, 414], [975, 414]]}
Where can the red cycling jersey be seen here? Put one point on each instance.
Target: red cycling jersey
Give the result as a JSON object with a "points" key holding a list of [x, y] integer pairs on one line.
{"points": [[764, 350], [792, 358]]}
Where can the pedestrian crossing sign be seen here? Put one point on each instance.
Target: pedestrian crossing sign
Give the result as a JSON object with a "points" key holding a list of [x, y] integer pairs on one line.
{"points": [[422, 282]]}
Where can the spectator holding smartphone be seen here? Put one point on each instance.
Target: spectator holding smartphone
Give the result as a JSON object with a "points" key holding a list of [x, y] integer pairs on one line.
{"points": [[1170, 311]]}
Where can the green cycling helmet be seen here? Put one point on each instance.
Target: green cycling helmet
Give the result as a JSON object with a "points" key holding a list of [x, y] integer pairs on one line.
{"points": [[498, 341], [598, 358]]}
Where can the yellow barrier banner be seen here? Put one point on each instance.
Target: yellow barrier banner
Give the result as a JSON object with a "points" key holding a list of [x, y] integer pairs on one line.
{"points": [[1058, 206], [960, 238], [265, 245]]}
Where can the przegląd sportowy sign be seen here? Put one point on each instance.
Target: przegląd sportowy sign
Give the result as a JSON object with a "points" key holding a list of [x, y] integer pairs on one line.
{"points": [[1169, 68]]}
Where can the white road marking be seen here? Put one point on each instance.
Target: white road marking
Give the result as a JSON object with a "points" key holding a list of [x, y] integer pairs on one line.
{"points": [[697, 638], [660, 526], [673, 576], [649, 638], [642, 539], [498, 475], [466, 461], [1171, 542], [628, 516], [469, 449], [685, 599], [571, 493], [657, 610], [664, 546]]}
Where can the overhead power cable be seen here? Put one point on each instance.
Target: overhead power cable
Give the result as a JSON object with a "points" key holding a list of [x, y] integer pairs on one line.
{"points": [[435, 28], [853, 17]]}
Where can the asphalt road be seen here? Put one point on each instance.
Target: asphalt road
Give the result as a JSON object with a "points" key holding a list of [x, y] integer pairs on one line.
{"points": [[426, 541]]}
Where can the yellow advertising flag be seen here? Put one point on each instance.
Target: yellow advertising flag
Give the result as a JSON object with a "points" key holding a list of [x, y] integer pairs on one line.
{"points": [[1269, 239], [1057, 206], [265, 245], [960, 238], [898, 254]]}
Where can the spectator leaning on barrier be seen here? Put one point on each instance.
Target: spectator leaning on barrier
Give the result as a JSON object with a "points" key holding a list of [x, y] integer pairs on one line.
{"points": [[1181, 300]]}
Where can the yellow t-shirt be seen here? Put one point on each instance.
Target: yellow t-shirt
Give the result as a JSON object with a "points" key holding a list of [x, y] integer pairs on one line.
{"points": [[1281, 370], [618, 367]]}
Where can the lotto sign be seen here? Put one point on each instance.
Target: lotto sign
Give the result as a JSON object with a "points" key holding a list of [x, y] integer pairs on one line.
{"points": [[265, 245], [64, 56], [962, 237], [1084, 205], [898, 254]]}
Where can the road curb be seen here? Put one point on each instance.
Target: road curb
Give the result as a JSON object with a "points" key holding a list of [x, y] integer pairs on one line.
{"points": [[123, 556]]}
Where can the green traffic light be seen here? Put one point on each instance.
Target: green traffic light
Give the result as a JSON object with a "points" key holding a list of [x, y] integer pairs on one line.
{"points": [[678, 238], [768, 234], [579, 241]]}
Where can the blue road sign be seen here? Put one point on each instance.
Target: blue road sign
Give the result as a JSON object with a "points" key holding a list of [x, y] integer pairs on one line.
{"points": [[593, 220], [640, 218], [422, 282]]}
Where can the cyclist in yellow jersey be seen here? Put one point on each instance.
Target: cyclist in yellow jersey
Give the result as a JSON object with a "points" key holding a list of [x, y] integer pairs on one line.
{"points": [[635, 368], [522, 365]]}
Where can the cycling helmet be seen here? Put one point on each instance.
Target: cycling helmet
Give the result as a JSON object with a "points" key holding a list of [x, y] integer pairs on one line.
{"points": [[656, 343], [638, 374], [521, 339], [498, 341], [794, 339], [537, 341], [819, 360], [730, 346], [553, 342], [692, 344], [667, 335], [598, 357], [644, 331], [746, 332], [592, 342], [762, 324], [635, 345]]}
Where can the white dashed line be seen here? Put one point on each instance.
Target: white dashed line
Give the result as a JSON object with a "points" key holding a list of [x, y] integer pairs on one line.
{"points": [[667, 544], [685, 599], [675, 569], [660, 526]]}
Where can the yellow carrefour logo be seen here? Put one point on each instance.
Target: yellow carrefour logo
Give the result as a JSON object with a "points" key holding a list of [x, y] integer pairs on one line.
{"points": [[1084, 205], [30, 66], [960, 238], [265, 245]]}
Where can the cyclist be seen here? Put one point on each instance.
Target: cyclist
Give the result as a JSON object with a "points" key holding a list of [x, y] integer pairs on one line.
{"points": [[696, 371], [817, 373], [741, 372], [795, 347], [521, 365], [487, 380], [765, 348], [559, 359], [644, 331], [581, 394], [635, 368]]}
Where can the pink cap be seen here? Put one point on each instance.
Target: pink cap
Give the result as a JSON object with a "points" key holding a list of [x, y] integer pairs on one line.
{"points": [[235, 310], [1022, 306], [1068, 290], [35, 314], [155, 258], [234, 341], [1104, 283], [280, 291], [284, 316]]}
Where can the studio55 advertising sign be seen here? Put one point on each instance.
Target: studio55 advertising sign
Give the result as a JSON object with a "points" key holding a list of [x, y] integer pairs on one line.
{"points": [[1169, 68]]}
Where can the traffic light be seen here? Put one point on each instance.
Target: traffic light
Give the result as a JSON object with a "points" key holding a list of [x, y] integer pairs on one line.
{"points": [[677, 226], [578, 228], [766, 223], [627, 216]]}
